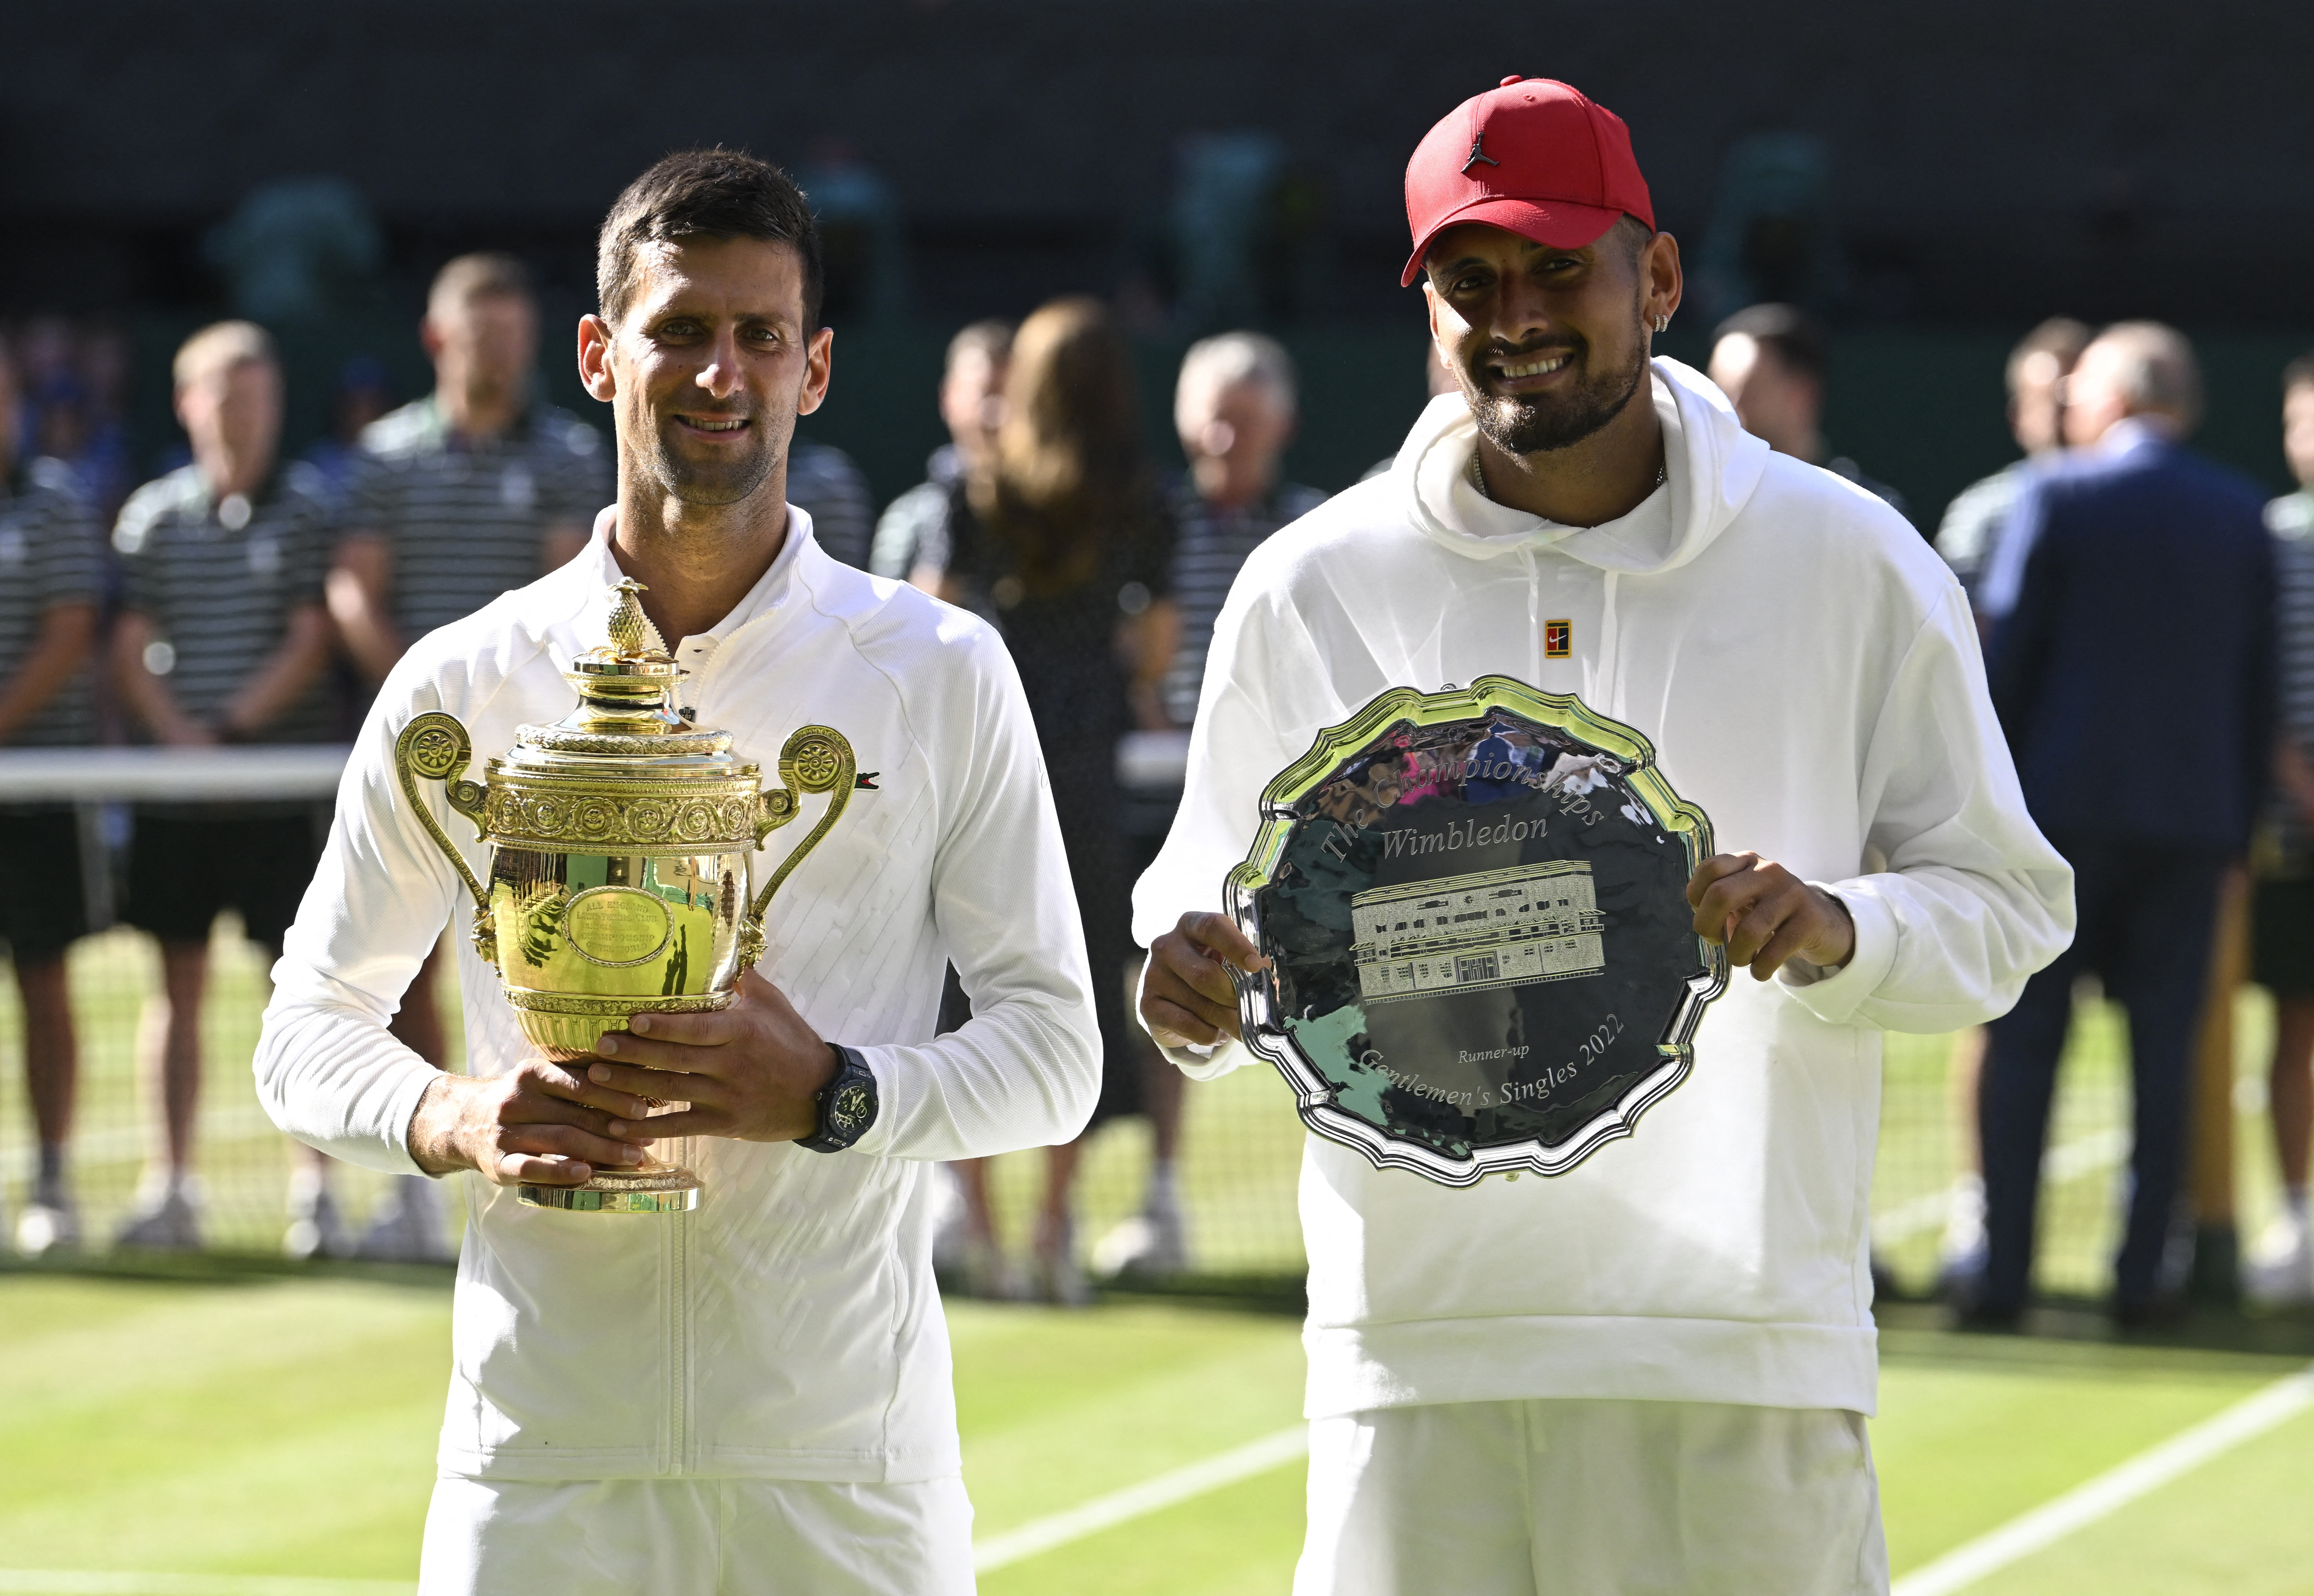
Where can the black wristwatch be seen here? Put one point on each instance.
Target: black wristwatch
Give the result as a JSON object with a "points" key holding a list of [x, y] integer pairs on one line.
{"points": [[847, 1104]]}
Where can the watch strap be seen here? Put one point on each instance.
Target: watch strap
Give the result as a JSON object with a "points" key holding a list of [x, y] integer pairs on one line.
{"points": [[847, 1104]]}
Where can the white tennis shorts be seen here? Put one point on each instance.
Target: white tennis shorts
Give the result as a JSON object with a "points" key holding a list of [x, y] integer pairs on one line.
{"points": [[1593, 1498], [696, 1537]]}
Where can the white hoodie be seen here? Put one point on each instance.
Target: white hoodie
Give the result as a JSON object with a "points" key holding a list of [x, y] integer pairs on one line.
{"points": [[1807, 671]]}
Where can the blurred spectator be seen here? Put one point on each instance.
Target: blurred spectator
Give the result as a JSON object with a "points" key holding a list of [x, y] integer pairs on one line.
{"points": [[1773, 361], [912, 541], [825, 485], [222, 638], [1234, 411], [297, 249], [1971, 528], [363, 397], [972, 406], [72, 386], [51, 576], [474, 490], [2280, 1268], [2131, 596], [2037, 368], [1059, 540]]}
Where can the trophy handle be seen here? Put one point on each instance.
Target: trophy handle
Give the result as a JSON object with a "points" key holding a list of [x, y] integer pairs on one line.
{"points": [[816, 759], [435, 746]]}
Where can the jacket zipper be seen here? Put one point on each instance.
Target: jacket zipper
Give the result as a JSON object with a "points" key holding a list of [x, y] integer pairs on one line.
{"points": [[679, 1346]]}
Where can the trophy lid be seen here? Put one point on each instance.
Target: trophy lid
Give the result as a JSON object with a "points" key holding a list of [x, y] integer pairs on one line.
{"points": [[626, 713]]}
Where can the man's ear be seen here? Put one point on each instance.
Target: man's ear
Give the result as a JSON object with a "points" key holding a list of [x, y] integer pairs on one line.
{"points": [[1665, 281], [594, 358], [818, 370]]}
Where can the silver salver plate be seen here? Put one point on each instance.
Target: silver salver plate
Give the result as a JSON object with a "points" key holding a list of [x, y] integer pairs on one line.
{"points": [[1481, 956]]}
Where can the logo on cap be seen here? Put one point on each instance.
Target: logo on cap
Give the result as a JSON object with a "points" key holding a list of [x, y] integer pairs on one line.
{"points": [[1561, 171]]}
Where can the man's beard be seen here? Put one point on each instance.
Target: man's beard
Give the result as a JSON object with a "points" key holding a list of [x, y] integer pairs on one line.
{"points": [[1527, 426], [728, 480]]}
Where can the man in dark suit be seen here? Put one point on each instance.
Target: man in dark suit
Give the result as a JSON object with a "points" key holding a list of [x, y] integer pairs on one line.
{"points": [[2131, 601]]}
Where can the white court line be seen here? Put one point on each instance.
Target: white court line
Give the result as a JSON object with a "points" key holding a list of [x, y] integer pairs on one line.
{"points": [[1151, 1496], [74, 1581], [2086, 1504], [2084, 1155]]}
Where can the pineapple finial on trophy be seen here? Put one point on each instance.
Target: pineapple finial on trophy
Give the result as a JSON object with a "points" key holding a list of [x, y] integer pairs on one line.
{"points": [[633, 634]]}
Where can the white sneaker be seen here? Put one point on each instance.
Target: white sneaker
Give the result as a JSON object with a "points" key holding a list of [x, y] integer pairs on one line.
{"points": [[1962, 1252], [50, 1224], [316, 1229], [2279, 1272], [166, 1221], [407, 1228], [1153, 1243]]}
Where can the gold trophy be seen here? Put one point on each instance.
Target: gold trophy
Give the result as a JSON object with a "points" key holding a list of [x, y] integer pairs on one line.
{"points": [[621, 839]]}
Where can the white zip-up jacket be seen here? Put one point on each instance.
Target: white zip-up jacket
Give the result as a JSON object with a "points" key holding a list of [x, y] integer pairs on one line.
{"points": [[1807, 671], [790, 1327]]}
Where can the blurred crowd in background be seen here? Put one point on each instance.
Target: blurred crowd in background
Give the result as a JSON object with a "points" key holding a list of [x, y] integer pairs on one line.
{"points": [[214, 590]]}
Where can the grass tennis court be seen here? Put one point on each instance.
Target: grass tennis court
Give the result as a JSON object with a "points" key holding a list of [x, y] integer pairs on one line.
{"points": [[272, 1425]]}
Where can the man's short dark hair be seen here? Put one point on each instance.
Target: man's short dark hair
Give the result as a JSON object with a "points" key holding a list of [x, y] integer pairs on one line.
{"points": [[705, 193], [2299, 373], [1793, 336]]}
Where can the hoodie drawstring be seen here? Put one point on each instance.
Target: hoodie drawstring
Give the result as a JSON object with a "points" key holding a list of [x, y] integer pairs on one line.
{"points": [[1610, 642], [1534, 617]]}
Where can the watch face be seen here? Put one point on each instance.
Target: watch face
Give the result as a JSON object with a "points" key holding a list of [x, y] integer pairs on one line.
{"points": [[1481, 956], [850, 1107]]}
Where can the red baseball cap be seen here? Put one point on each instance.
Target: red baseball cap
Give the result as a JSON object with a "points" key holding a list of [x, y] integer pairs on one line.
{"points": [[1534, 157]]}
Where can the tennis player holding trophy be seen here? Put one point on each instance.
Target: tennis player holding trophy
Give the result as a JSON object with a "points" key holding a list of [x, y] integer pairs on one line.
{"points": [[1503, 760], [697, 1343]]}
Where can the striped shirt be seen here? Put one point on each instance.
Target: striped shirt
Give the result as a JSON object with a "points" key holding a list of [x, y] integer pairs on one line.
{"points": [[1210, 546], [220, 594], [1971, 530], [2283, 849], [50, 556], [465, 518], [825, 485], [913, 531]]}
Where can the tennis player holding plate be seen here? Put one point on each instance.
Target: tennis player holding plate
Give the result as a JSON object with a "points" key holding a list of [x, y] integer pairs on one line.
{"points": [[1509, 758]]}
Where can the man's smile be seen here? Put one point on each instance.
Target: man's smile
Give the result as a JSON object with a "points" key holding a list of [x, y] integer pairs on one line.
{"points": [[1529, 372], [715, 425]]}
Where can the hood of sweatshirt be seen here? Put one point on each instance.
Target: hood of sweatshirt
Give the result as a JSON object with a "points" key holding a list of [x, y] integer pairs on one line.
{"points": [[1711, 467]]}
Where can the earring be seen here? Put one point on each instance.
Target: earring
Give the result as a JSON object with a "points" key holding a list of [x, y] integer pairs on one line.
{"points": [[1662, 323]]}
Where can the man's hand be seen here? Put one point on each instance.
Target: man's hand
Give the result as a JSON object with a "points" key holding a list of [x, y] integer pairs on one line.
{"points": [[1765, 915], [1186, 995], [750, 1071], [543, 1124]]}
